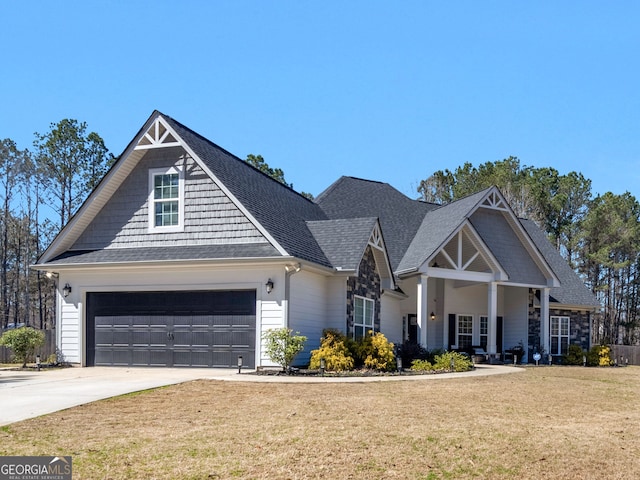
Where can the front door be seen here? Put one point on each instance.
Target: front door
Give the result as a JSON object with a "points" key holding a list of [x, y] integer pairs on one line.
{"points": [[412, 321]]}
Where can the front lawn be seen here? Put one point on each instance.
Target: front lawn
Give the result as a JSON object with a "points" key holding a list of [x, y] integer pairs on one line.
{"points": [[545, 423]]}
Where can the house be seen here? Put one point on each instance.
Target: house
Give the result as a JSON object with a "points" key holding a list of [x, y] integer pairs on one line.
{"points": [[184, 255]]}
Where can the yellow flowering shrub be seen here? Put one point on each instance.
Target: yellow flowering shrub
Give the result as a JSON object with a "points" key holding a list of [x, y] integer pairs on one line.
{"points": [[378, 352], [604, 356], [334, 351]]}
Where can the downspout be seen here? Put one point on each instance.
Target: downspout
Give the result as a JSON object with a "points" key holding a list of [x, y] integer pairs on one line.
{"points": [[289, 271]]}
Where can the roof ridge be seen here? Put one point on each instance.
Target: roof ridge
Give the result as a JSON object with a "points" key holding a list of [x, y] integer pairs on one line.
{"points": [[227, 152]]}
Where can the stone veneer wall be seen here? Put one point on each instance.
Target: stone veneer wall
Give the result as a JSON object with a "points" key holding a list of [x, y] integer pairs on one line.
{"points": [[579, 326], [367, 285]]}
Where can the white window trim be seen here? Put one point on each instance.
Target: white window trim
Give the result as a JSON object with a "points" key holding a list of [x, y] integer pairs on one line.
{"points": [[373, 315], [559, 336], [473, 329], [480, 334], [153, 172]]}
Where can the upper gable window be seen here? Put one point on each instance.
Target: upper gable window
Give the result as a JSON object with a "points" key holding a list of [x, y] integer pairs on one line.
{"points": [[166, 200]]}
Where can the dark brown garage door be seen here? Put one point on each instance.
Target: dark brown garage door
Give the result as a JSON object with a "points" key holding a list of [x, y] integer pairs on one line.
{"points": [[171, 329]]}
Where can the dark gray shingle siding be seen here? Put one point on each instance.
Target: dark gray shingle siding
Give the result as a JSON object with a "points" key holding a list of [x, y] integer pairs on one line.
{"points": [[210, 217]]}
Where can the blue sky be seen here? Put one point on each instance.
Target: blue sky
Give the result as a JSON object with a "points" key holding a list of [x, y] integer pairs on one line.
{"points": [[389, 91]]}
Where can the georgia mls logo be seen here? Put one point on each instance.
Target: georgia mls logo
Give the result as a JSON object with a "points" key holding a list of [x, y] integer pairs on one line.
{"points": [[35, 468]]}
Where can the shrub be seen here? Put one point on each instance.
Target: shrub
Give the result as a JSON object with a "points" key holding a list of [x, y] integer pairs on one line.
{"points": [[421, 365], [282, 347], [23, 341], [377, 352], [461, 362], [573, 356], [410, 351], [599, 356], [334, 351]]}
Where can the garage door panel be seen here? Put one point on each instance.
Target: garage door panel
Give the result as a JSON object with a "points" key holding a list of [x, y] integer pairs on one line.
{"points": [[171, 328], [124, 337], [141, 321]]}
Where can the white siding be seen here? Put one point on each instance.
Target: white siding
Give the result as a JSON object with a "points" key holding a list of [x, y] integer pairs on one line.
{"points": [[516, 317], [69, 337], [391, 319], [337, 303], [308, 310]]}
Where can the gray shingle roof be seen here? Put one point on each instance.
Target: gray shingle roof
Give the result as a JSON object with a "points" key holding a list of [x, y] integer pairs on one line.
{"points": [[400, 217], [199, 252], [279, 209], [437, 225], [572, 291], [343, 241]]}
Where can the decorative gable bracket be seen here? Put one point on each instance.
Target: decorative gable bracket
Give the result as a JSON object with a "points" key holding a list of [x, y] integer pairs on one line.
{"points": [[376, 238], [158, 136], [494, 201], [465, 256]]}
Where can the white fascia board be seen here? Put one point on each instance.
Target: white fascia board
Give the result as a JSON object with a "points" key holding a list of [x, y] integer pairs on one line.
{"points": [[180, 264], [406, 273], [228, 193], [464, 275], [394, 294]]}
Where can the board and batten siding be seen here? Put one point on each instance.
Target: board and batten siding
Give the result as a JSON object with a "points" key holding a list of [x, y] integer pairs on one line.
{"points": [[69, 332], [391, 319], [308, 310], [210, 217], [516, 317], [71, 329]]}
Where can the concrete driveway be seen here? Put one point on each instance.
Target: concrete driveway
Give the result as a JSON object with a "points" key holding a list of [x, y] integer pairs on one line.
{"points": [[28, 394]]}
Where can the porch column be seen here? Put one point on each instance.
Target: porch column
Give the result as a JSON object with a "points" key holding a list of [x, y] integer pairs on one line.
{"points": [[544, 320], [422, 313], [492, 313]]}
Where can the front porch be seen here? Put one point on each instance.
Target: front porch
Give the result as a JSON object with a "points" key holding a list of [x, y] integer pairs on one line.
{"points": [[450, 314]]}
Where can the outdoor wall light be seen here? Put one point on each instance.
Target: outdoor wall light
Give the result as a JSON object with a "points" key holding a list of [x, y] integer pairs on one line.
{"points": [[269, 285], [295, 268], [66, 290], [239, 363], [433, 316]]}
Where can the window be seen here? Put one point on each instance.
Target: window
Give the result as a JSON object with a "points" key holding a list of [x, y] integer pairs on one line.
{"points": [[362, 316], [465, 331], [484, 331], [559, 335], [166, 193]]}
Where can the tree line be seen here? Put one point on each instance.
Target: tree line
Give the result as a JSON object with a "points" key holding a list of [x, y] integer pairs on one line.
{"points": [[41, 190], [598, 235]]}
